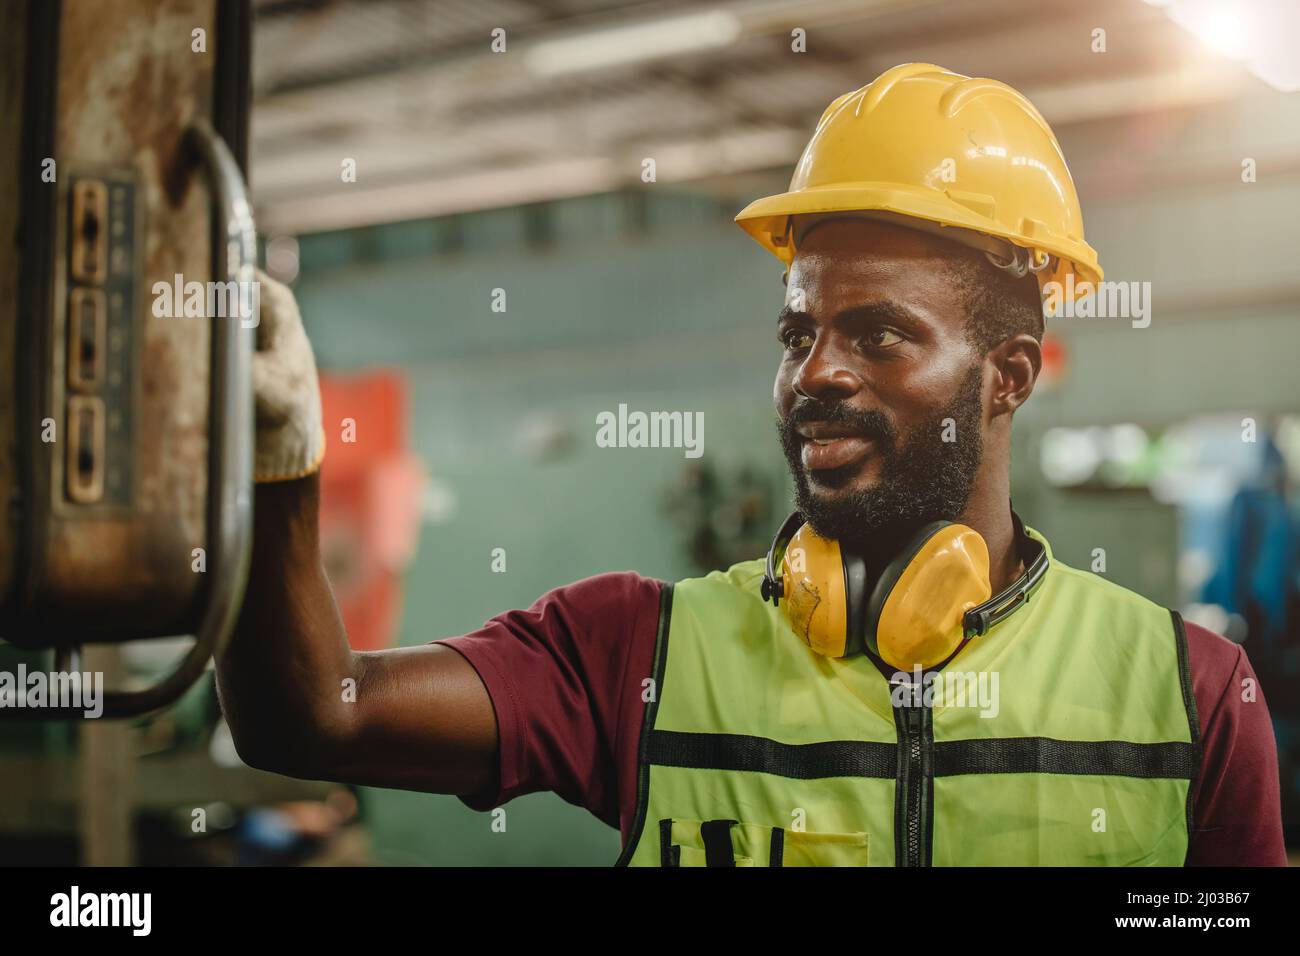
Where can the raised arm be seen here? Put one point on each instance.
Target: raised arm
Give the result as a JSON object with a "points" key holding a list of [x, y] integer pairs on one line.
{"points": [[298, 699]]}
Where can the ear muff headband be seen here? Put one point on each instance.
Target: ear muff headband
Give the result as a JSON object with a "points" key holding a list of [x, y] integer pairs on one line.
{"points": [[773, 585], [855, 598], [1002, 605]]}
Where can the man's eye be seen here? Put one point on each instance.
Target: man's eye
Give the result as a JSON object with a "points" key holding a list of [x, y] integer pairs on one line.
{"points": [[883, 338], [796, 339]]}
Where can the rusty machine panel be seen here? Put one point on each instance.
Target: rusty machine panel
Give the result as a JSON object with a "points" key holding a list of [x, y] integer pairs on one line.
{"points": [[125, 425]]}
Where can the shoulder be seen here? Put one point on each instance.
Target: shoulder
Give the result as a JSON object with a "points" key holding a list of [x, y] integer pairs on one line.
{"points": [[604, 607], [1098, 590], [723, 601], [1211, 657], [572, 618], [1212, 653], [741, 581], [602, 593], [1216, 665]]}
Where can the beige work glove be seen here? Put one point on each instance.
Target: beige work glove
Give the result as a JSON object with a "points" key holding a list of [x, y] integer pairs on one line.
{"points": [[290, 436]]}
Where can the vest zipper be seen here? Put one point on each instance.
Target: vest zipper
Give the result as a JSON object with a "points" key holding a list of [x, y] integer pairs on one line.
{"points": [[913, 796]]}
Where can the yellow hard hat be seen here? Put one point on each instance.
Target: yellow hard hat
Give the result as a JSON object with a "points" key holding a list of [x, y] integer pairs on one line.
{"points": [[969, 159]]}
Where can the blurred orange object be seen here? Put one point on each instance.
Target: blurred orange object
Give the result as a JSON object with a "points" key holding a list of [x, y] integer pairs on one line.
{"points": [[371, 488], [1056, 361]]}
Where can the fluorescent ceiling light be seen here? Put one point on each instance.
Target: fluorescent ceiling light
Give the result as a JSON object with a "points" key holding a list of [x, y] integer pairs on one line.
{"points": [[619, 46]]}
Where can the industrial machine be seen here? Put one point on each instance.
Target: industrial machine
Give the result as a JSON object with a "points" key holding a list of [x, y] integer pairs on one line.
{"points": [[125, 430]]}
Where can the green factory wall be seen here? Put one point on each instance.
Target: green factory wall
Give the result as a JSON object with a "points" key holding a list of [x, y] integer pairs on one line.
{"points": [[663, 305]]}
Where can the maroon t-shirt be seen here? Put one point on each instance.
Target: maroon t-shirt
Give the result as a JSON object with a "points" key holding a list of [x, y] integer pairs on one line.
{"points": [[565, 678]]}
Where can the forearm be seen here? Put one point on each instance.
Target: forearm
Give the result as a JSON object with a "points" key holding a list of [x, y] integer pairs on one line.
{"points": [[298, 700], [281, 678]]}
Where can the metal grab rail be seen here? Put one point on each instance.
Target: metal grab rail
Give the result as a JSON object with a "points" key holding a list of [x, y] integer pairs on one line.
{"points": [[230, 450]]}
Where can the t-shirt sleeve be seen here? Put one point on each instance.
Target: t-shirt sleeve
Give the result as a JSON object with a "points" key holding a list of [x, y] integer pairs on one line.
{"points": [[1237, 804], [565, 678]]}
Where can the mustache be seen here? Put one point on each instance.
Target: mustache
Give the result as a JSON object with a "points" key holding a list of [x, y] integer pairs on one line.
{"points": [[870, 423]]}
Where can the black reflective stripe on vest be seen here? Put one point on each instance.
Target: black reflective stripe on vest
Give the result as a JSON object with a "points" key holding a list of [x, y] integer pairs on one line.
{"points": [[834, 758], [850, 758], [1111, 758]]}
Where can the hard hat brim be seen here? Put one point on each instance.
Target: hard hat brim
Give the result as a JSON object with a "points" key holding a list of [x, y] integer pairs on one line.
{"points": [[767, 221]]}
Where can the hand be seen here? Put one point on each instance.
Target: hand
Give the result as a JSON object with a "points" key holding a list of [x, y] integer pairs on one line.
{"points": [[290, 436]]}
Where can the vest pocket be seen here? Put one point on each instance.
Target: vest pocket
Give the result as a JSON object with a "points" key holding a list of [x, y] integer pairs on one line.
{"points": [[689, 856], [733, 843]]}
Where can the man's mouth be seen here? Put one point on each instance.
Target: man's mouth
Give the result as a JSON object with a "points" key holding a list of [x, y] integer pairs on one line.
{"points": [[827, 447]]}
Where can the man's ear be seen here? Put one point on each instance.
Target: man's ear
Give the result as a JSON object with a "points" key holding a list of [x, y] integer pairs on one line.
{"points": [[1017, 362]]}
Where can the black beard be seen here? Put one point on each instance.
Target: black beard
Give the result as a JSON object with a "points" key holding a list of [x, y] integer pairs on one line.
{"points": [[925, 479]]}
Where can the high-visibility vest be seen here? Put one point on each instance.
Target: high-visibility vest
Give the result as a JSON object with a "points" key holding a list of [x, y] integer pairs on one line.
{"points": [[1079, 747]]}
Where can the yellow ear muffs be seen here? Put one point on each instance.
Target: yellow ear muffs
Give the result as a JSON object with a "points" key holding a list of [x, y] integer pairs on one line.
{"points": [[920, 609], [816, 606], [917, 610]]}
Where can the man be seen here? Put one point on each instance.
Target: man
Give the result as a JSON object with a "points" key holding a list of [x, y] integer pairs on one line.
{"points": [[803, 713]]}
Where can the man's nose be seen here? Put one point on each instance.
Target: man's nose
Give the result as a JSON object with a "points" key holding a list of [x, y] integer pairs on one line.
{"points": [[825, 373]]}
